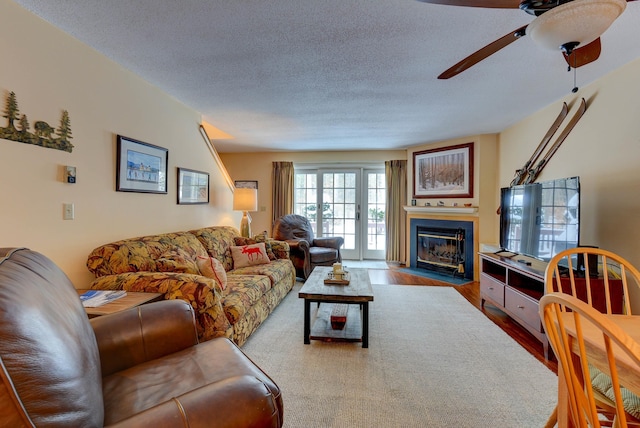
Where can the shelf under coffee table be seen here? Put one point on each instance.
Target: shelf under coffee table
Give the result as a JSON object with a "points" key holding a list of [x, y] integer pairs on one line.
{"points": [[357, 295]]}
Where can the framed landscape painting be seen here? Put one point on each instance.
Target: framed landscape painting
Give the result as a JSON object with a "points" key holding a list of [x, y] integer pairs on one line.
{"points": [[141, 167], [445, 172]]}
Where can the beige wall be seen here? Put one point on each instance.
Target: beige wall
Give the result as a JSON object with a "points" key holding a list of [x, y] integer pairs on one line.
{"points": [[485, 193], [50, 71], [603, 149], [257, 166]]}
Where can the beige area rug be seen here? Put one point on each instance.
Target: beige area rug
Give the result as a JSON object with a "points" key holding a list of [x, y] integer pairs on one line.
{"points": [[433, 361]]}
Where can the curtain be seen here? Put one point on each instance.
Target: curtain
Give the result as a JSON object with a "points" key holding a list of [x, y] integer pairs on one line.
{"points": [[282, 194], [396, 218]]}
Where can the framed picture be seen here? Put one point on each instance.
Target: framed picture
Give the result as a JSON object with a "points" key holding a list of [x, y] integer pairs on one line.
{"points": [[193, 187], [246, 184], [446, 172], [141, 167]]}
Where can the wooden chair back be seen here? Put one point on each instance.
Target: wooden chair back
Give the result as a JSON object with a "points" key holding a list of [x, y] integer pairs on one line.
{"points": [[566, 318], [600, 278]]}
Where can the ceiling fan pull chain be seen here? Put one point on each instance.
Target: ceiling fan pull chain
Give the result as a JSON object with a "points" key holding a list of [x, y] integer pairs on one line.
{"points": [[575, 72]]}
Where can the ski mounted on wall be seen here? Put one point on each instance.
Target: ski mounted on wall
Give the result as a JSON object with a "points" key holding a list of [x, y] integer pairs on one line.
{"points": [[522, 173], [535, 171]]}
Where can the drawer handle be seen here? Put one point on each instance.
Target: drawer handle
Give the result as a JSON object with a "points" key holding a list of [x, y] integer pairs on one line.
{"points": [[490, 288], [520, 307]]}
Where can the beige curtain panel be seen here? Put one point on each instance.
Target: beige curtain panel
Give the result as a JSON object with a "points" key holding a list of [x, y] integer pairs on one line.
{"points": [[396, 218], [282, 194]]}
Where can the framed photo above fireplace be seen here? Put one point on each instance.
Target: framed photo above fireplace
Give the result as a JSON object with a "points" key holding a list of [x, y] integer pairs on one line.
{"points": [[446, 172]]}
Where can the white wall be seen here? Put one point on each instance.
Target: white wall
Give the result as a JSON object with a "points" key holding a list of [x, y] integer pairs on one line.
{"points": [[603, 149], [49, 71]]}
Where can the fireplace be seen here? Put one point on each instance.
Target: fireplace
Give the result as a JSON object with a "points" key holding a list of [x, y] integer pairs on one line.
{"points": [[441, 249], [442, 246]]}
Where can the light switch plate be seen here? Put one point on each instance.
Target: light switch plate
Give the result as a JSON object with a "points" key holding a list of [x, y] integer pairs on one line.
{"points": [[68, 212]]}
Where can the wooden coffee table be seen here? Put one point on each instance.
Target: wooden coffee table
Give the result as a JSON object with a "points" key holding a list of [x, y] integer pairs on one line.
{"points": [[131, 300], [357, 294]]}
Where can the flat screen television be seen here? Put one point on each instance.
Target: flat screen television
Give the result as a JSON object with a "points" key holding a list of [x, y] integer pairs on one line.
{"points": [[540, 219]]}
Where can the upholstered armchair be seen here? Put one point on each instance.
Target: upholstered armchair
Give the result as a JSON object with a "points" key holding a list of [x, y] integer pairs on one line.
{"points": [[141, 367], [306, 252]]}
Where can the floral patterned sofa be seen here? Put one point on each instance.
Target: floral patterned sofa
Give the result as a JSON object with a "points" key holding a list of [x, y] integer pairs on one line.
{"points": [[168, 263]]}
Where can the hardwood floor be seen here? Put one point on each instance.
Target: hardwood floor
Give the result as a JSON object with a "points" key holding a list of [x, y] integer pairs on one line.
{"points": [[472, 293]]}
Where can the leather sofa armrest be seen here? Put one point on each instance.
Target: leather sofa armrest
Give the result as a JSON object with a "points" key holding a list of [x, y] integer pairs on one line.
{"points": [[239, 401], [131, 337], [331, 242], [298, 245]]}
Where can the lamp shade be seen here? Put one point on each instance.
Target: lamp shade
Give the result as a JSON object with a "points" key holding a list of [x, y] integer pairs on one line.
{"points": [[578, 21], [245, 199]]}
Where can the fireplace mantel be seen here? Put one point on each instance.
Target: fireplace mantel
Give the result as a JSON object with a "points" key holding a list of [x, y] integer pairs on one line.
{"points": [[440, 210]]}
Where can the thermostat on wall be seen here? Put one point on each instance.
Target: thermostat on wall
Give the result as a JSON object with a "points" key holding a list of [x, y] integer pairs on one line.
{"points": [[71, 174]]}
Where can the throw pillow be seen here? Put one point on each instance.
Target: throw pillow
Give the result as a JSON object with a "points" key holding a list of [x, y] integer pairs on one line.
{"points": [[176, 260], [249, 255], [212, 268], [239, 240]]}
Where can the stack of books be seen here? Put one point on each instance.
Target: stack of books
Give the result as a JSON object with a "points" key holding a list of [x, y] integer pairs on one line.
{"points": [[95, 298]]}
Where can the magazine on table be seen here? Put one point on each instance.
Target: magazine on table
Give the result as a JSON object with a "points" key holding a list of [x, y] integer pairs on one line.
{"points": [[95, 298]]}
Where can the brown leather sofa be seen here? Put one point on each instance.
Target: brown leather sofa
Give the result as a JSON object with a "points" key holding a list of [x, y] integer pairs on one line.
{"points": [[137, 368], [306, 252]]}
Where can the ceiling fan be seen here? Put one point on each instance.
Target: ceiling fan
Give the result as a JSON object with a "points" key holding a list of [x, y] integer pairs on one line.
{"points": [[559, 25]]}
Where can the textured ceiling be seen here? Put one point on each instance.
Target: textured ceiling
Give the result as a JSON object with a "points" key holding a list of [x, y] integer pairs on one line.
{"points": [[334, 74]]}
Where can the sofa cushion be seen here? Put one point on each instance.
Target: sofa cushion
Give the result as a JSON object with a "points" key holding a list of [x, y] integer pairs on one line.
{"points": [[191, 371], [243, 292], [277, 270], [249, 255], [140, 254], [177, 260], [217, 240], [212, 268]]}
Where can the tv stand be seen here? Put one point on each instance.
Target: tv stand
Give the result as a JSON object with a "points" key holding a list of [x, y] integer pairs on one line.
{"points": [[515, 288]]}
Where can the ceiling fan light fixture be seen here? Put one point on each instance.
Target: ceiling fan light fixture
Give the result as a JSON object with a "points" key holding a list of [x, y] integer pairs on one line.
{"points": [[579, 21]]}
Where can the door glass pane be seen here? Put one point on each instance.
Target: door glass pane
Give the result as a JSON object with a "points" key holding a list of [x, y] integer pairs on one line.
{"points": [[376, 193], [306, 197], [339, 190]]}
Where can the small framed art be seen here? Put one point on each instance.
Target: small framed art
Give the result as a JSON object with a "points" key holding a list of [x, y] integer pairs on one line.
{"points": [[193, 187], [141, 167]]}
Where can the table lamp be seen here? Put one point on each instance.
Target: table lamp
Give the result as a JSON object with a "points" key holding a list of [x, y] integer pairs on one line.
{"points": [[245, 200]]}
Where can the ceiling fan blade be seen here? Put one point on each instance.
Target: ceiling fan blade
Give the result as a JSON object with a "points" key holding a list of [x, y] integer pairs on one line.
{"points": [[584, 55], [498, 4], [483, 53]]}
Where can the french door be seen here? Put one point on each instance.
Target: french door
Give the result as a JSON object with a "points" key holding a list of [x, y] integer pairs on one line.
{"points": [[339, 202]]}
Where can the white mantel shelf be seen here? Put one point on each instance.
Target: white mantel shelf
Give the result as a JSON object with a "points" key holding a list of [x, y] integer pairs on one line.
{"points": [[440, 210]]}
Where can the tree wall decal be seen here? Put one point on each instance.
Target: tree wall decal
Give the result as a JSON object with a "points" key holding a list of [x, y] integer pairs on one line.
{"points": [[44, 135]]}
